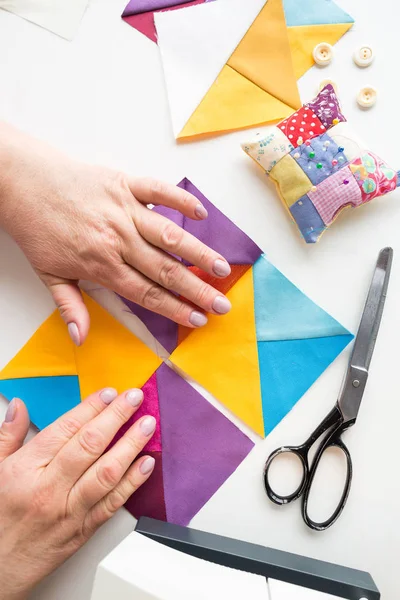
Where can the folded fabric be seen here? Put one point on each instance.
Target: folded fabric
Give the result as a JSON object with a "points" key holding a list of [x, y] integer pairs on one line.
{"points": [[59, 16], [248, 75], [139, 14], [263, 356], [195, 446], [320, 167]]}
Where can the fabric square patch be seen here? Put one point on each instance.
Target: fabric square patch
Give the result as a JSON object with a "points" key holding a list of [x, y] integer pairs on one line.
{"points": [[374, 176], [269, 148], [326, 106], [320, 157], [337, 169], [307, 219], [301, 126], [334, 193], [353, 146], [291, 179]]}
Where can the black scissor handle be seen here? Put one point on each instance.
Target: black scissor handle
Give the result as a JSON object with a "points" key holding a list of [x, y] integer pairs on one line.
{"points": [[332, 441], [299, 451]]}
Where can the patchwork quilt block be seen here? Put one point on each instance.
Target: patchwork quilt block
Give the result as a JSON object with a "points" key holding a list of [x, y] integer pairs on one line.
{"points": [[319, 166], [196, 448], [259, 359]]}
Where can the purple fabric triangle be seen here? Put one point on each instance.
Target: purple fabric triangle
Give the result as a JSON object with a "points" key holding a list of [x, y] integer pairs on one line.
{"points": [[201, 448], [164, 330], [135, 7], [219, 233]]}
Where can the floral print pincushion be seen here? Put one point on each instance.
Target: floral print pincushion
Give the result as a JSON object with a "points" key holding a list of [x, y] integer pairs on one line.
{"points": [[319, 166]]}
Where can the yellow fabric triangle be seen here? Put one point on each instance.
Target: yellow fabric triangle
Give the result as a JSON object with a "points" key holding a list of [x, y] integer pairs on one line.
{"points": [[303, 40], [264, 57], [112, 356], [233, 102], [49, 352], [223, 358]]}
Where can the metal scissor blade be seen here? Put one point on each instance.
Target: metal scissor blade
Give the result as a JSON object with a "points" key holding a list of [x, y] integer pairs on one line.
{"points": [[371, 319], [357, 373]]}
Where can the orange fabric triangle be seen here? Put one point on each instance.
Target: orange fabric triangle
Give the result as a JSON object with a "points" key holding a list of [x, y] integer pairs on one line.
{"points": [[111, 355], [223, 357], [303, 40], [263, 55], [49, 352]]}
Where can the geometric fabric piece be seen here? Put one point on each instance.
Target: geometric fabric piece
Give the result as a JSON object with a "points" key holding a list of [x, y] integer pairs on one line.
{"points": [[334, 193], [49, 352], [320, 158], [248, 373], [373, 176], [307, 219], [46, 398], [283, 312], [291, 180], [201, 448], [51, 364], [326, 106], [314, 12], [301, 126], [289, 367], [220, 234], [222, 357], [270, 148], [329, 168]]}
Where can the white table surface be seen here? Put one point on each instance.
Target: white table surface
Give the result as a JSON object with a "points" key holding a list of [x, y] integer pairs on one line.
{"points": [[102, 99]]}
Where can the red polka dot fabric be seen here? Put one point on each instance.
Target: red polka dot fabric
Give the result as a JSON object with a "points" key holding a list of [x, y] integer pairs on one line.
{"points": [[301, 126]]}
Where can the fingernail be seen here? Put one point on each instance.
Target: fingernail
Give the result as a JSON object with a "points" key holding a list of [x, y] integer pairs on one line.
{"points": [[147, 465], [148, 425], [108, 395], [74, 333], [134, 397], [200, 212], [221, 268], [197, 319], [222, 305], [11, 410]]}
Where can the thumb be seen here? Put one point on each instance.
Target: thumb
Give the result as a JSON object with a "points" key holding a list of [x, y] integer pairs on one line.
{"points": [[68, 298], [14, 428]]}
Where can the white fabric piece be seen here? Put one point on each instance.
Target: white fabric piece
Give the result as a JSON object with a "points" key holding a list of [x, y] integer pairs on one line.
{"points": [[344, 136], [142, 569], [195, 43], [59, 16], [269, 147]]}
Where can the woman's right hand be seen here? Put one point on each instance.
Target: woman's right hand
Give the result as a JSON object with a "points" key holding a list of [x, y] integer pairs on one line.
{"points": [[60, 487]]}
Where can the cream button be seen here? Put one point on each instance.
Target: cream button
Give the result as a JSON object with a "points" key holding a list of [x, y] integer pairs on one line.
{"points": [[323, 54], [363, 56], [326, 82], [367, 97]]}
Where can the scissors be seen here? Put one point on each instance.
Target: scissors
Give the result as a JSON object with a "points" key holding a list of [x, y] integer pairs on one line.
{"points": [[345, 411]]}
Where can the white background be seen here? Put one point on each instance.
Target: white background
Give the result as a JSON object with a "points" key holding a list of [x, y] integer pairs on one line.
{"points": [[102, 99]]}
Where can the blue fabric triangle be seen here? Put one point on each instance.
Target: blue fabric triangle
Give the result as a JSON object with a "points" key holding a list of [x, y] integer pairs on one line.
{"points": [[314, 12], [289, 368], [283, 312], [46, 398]]}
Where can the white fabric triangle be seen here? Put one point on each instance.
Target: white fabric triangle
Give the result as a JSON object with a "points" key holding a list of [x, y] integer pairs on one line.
{"points": [[59, 16], [195, 43]]}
